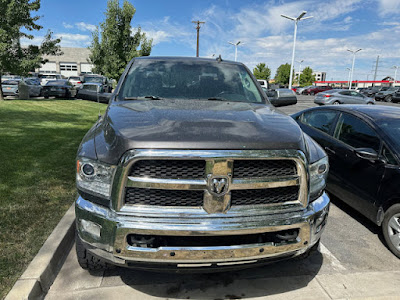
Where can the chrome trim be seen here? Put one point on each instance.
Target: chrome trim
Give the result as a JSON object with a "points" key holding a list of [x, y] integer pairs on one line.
{"points": [[219, 163]]}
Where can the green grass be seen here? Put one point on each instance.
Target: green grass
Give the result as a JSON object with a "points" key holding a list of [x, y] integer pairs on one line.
{"points": [[38, 144]]}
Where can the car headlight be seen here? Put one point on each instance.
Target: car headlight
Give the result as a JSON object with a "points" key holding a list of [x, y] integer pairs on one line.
{"points": [[94, 177], [318, 174]]}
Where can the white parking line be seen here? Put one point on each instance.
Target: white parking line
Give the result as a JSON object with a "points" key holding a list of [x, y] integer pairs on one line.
{"points": [[335, 262]]}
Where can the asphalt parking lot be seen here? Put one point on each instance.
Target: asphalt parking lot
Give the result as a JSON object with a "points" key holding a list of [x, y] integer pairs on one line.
{"points": [[353, 262]]}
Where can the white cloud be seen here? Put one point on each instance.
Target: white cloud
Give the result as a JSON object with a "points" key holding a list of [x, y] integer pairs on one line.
{"points": [[73, 40], [85, 26], [388, 7], [67, 26]]}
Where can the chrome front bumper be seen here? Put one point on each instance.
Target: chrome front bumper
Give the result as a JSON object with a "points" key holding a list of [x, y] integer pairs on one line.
{"points": [[111, 242]]}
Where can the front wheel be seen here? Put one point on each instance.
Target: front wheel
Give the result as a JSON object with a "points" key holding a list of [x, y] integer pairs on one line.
{"points": [[370, 103], [86, 260], [388, 98], [336, 103], [391, 229]]}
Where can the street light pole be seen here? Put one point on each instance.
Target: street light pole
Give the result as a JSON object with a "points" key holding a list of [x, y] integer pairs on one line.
{"points": [[395, 74], [296, 20], [352, 66], [300, 61], [348, 77], [236, 45]]}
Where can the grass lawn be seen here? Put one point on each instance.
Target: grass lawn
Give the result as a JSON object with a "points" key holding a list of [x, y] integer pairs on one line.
{"points": [[38, 144]]}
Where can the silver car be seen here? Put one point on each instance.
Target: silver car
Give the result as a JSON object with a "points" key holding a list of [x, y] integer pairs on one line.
{"points": [[337, 97]]}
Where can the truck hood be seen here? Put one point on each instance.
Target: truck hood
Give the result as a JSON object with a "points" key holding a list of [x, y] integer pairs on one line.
{"points": [[185, 124]]}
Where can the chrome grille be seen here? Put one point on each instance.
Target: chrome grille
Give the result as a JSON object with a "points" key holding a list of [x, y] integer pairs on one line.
{"points": [[264, 196], [263, 168], [186, 178]]}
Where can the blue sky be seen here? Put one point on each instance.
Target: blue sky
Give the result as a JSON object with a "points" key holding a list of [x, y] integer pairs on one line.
{"points": [[322, 42]]}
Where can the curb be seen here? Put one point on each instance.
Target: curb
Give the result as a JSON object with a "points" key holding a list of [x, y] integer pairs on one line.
{"points": [[41, 272]]}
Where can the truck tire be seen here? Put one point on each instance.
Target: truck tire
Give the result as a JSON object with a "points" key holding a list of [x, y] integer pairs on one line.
{"points": [[86, 260], [391, 229]]}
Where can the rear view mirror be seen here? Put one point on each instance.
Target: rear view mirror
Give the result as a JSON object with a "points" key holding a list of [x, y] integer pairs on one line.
{"points": [[366, 153]]}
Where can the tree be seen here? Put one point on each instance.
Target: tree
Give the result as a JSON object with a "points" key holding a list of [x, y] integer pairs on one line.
{"points": [[283, 74], [15, 21], [262, 72], [115, 43], [307, 78]]}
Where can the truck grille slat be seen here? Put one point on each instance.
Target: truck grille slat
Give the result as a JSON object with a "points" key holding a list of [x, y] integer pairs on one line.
{"points": [[140, 196], [263, 168], [182, 169], [264, 196]]}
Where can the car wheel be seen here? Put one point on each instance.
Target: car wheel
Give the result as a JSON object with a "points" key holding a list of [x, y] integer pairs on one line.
{"points": [[388, 98], [336, 103], [370, 103], [391, 229], [46, 96], [86, 260]]}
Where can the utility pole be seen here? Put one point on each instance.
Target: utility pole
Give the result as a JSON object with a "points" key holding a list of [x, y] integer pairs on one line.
{"points": [[376, 69], [198, 34]]}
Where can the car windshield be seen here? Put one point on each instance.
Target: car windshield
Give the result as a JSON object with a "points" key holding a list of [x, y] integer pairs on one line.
{"points": [[11, 82], [90, 87], [392, 89], [56, 82], [97, 79], [74, 78], [392, 128], [189, 79], [48, 76]]}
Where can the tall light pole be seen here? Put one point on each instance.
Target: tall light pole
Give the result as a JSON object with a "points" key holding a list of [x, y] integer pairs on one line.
{"points": [[348, 77], [296, 20], [198, 35], [352, 66], [395, 74], [299, 61], [236, 45]]}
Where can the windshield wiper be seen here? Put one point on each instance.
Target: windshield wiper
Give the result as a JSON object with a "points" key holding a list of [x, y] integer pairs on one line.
{"points": [[217, 99], [144, 97]]}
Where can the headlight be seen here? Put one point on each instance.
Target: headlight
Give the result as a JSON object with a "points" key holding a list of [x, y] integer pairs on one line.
{"points": [[94, 177], [318, 174]]}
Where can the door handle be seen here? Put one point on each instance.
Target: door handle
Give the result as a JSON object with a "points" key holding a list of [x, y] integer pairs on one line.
{"points": [[327, 149]]}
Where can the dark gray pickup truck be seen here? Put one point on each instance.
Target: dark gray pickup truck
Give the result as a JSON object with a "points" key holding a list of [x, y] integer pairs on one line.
{"points": [[191, 167]]}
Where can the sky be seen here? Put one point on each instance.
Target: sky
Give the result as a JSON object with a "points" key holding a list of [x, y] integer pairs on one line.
{"points": [[266, 37]]}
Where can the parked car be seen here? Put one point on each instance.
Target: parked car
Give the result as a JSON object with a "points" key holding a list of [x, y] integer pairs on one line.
{"points": [[300, 90], [396, 97], [93, 92], [336, 97], [59, 88], [10, 87], [44, 78], [281, 97], [76, 81], [94, 78], [371, 91], [363, 145], [386, 95], [195, 170], [315, 90]]}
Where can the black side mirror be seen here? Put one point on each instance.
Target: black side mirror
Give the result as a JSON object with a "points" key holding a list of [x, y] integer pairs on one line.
{"points": [[366, 153]]}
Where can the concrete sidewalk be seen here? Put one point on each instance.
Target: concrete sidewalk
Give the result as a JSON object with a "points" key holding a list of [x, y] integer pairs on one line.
{"points": [[315, 278]]}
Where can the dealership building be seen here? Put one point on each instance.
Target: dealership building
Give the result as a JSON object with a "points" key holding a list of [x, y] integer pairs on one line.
{"points": [[72, 62]]}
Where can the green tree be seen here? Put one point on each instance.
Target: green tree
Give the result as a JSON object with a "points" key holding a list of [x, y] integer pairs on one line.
{"points": [[16, 22], [283, 74], [115, 43], [307, 78], [262, 72]]}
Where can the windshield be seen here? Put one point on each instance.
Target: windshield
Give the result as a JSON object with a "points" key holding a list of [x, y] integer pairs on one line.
{"points": [[56, 82], [48, 76], [189, 79], [97, 79], [392, 128], [90, 87], [11, 82]]}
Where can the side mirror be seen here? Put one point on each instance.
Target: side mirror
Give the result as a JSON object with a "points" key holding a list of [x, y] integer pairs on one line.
{"points": [[366, 153]]}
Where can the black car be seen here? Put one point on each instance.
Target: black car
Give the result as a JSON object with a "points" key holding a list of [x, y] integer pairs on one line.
{"points": [[396, 96], [100, 79], [59, 88], [93, 92], [371, 91], [363, 145]]}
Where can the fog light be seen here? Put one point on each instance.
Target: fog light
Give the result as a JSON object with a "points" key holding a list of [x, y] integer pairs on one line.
{"points": [[91, 228]]}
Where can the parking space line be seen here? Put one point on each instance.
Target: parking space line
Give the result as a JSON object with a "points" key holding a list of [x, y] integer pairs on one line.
{"points": [[335, 262]]}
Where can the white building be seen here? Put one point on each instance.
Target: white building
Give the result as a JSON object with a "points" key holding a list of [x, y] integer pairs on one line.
{"points": [[319, 76], [72, 62]]}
